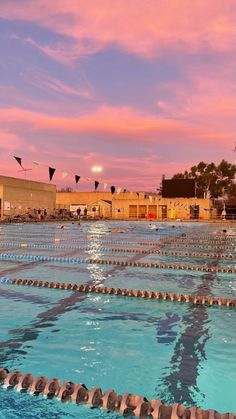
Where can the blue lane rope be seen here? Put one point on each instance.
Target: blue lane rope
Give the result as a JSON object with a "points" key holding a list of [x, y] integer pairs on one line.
{"points": [[62, 246], [115, 250], [27, 257], [5, 280], [157, 243], [32, 258]]}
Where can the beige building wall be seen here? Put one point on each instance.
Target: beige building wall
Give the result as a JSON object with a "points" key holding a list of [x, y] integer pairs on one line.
{"points": [[161, 208], [17, 194], [139, 206], [105, 208], [65, 199]]}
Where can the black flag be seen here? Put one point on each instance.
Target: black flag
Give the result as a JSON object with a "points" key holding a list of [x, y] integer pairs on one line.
{"points": [[113, 189], [96, 183], [51, 172], [137, 193], [77, 178], [18, 159]]}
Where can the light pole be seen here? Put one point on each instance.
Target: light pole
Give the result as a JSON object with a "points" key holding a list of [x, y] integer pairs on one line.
{"points": [[96, 169]]}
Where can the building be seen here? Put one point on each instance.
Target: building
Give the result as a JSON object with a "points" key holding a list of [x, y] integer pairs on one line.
{"points": [[136, 206], [19, 197]]}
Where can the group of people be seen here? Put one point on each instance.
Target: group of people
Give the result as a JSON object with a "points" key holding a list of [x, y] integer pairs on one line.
{"points": [[38, 214], [79, 212]]}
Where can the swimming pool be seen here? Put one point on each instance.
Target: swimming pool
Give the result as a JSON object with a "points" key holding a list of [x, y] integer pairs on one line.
{"points": [[176, 352]]}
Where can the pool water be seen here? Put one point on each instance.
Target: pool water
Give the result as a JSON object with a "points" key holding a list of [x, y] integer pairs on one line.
{"points": [[176, 352]]}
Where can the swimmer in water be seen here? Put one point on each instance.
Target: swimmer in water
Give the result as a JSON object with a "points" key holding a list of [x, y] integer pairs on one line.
{"points": [[152, 226], [116, 230]]}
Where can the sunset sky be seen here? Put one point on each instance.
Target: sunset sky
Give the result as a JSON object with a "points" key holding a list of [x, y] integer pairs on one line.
{"points": [[140, 87]]}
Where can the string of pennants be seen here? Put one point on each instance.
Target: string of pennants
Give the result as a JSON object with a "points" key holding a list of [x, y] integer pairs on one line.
{"points": [[52, 170]]}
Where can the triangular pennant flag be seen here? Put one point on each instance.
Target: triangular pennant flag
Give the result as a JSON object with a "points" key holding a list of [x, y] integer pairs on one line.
{"points": [[150, 198], [77, 178], [18, 159], [36, 163], [137, 193], [124, 190], [113, 189], [64, 174], [96, 183], [51, 172], [118, 191], [105, 185]]}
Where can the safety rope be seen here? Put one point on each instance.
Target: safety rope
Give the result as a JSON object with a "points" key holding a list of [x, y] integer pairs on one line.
{"points": [[126, 404], [175, 244], [156, 243], [222, 244], [118, 250], [194, 299], [33, 258]]}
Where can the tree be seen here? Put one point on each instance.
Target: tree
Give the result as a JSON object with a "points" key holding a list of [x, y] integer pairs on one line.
{"points": [[211, 180]]}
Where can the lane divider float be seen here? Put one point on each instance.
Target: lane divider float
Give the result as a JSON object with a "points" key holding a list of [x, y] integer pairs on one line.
{"points": [[126, 404], [162, 242], [34, 258], [118, 250], [155, 295]]}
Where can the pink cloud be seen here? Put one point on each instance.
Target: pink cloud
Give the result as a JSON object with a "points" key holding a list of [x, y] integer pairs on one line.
{"points": [[9, 142], [63, 53], [126, 123], [43, 81], [105, 119], [206, 99], [95, 25]]}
